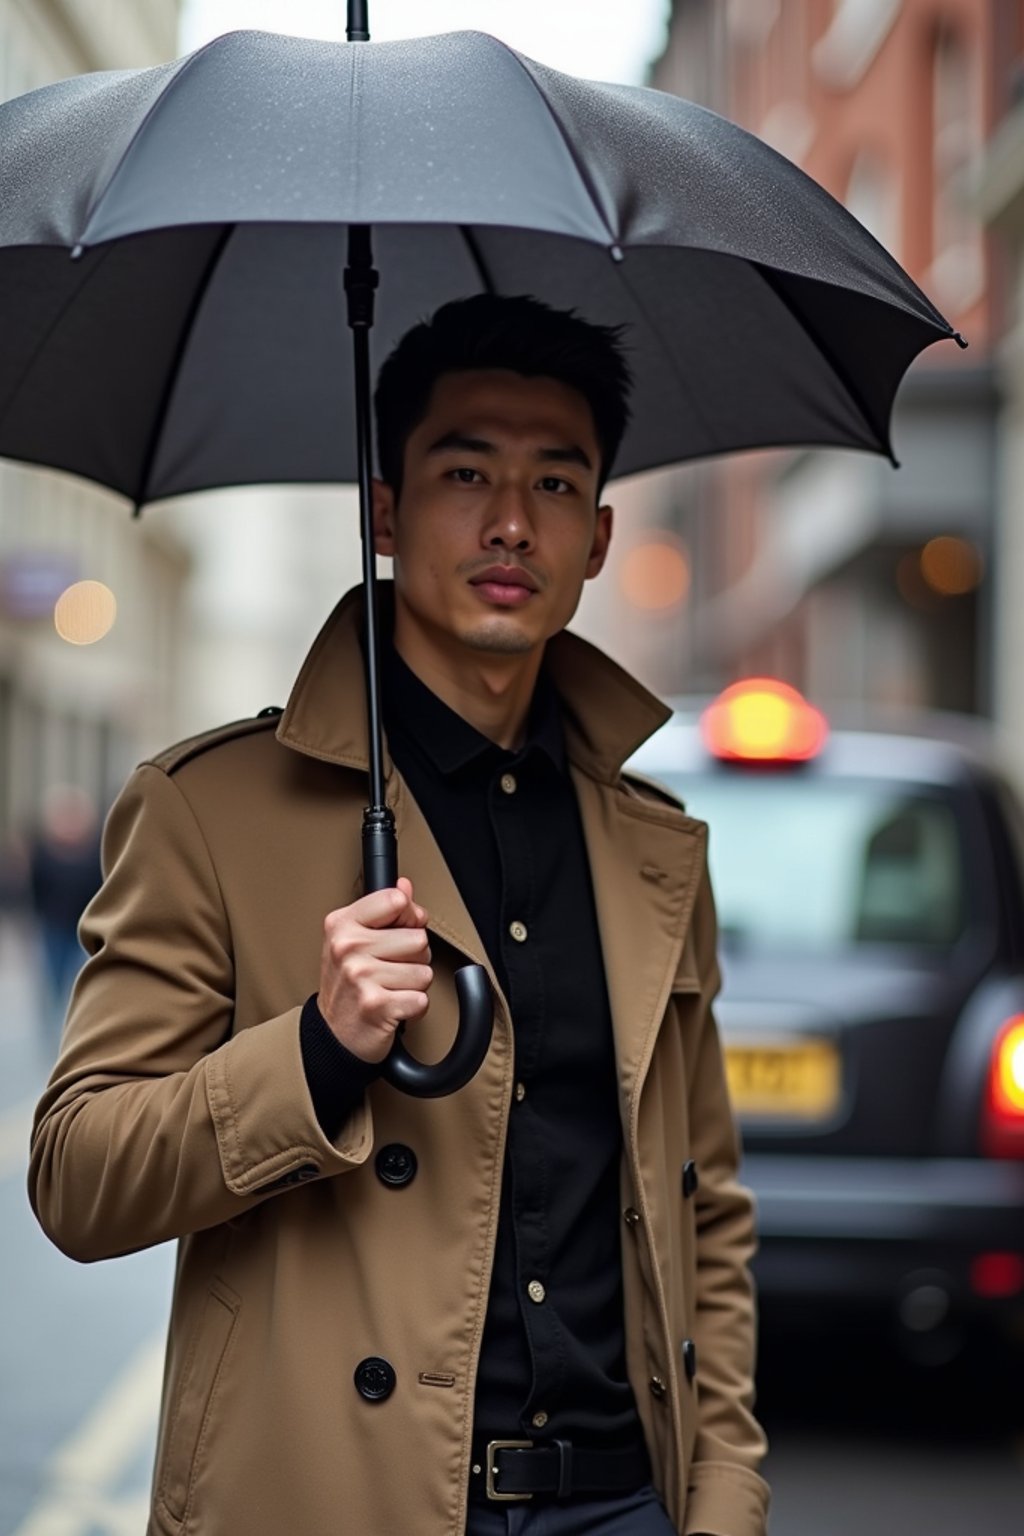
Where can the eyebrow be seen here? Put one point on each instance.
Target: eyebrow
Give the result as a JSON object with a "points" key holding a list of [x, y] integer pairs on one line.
{"points": [[572, 454]]}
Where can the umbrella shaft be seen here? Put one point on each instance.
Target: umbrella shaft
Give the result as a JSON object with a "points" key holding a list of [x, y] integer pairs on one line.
{"points": [[358, 29], [360, 284]]}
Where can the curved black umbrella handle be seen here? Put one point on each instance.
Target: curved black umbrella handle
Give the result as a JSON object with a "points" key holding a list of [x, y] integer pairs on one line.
{"points": [[476, 1007], [464, 1060]]}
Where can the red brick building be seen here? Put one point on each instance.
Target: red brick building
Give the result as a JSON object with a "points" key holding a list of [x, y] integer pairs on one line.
{"points": [[822, 567]]}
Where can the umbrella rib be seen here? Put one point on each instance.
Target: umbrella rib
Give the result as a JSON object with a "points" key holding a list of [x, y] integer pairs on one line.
{"points": [[477, 257], [174, 372], [853, 393]]}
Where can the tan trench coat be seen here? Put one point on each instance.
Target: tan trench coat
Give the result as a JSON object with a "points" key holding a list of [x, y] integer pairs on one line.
{"points": [[179, 1109]]}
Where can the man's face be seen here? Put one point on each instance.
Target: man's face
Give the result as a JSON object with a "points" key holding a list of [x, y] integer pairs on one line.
{"points": [[498, 526]]}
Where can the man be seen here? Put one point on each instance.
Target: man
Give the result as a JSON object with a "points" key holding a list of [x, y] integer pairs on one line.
{"points": [[63, 875], [375, 1292]]}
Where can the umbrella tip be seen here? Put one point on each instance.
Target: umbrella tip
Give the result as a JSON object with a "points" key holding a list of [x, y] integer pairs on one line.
{"points": [[137, 509], [961, 341], [615, 252], [78, 252]]}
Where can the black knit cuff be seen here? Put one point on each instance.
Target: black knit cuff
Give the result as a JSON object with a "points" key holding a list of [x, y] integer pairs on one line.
{"points": [[336, 1079]]}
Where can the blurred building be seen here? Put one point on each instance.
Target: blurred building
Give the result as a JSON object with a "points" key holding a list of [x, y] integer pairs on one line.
{"points": [[828, 568], [1000, 201], [73, 712]]}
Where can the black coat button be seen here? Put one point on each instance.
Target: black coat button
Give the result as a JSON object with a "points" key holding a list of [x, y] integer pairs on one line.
{"points": [[375, 1379], [689, 1353], [690, 1179], [396, 1165], [271, 709]]}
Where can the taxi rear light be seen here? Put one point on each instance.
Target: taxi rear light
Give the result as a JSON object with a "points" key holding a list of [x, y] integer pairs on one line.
{"points": [[761, 720], [1003, 1122], [997, 1275]]}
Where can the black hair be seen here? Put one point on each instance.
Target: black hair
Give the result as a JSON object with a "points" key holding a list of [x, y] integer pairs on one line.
{"points": [[519, 334]]}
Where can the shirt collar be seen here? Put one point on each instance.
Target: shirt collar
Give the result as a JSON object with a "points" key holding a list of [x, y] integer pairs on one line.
{"points": [[414, 714]]}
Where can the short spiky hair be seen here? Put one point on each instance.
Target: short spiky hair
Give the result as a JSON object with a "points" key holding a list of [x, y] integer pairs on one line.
{"points": [[520, 334]]}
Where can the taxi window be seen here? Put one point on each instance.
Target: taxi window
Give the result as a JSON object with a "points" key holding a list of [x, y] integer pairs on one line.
{"points": [[819, 864]]}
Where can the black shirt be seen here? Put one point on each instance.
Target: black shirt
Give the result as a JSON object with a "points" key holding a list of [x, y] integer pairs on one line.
{"points": [[552, 1361]]}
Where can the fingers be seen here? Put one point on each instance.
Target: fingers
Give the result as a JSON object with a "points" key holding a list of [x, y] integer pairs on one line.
{"points": [[375, 969], [390, 908]]}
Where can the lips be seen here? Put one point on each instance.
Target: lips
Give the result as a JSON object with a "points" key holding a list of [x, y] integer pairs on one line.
{"points": [[504, 586], [504, 576]]}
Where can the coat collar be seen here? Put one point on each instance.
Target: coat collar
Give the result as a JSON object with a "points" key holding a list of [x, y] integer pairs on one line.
{"points": [[606, 713]]}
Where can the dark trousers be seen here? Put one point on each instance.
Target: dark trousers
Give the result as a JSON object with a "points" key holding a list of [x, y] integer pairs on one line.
{"points": [[635, 1514]]}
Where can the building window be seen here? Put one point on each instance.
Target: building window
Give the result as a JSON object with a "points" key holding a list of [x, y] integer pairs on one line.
{"points": [[852, 40], [957, 273]]}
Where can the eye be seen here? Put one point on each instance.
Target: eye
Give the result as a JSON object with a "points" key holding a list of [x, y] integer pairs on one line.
{"points": [[556, 485], [464, 475]]}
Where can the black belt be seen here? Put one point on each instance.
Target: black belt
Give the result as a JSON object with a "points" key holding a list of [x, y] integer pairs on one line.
{"points": [[518, 1469]]}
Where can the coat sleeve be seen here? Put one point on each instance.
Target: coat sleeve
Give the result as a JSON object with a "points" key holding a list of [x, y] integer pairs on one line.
{"points": [[157, 1120], [726, 1495]]}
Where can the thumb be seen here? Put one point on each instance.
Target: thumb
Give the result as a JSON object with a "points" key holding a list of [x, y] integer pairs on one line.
{"points": [[414, 916]]}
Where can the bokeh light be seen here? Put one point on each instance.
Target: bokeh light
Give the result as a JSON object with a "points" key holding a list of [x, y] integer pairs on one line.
{"points": [[85, 612], [655, 575], [951, 566]]}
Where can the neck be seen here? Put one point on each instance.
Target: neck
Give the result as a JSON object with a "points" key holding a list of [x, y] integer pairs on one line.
{"points": [[490, 690]]}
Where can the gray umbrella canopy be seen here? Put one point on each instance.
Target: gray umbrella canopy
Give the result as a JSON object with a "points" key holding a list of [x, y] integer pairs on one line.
{"points": [[199, 337]]}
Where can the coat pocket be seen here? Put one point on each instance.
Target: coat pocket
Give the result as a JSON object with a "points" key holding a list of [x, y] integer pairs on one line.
{"points": [[191, 1397]]}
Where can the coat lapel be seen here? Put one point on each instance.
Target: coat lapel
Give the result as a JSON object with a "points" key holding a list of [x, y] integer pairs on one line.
{"points": [[419, 859], [646, 856], [646, 860]]}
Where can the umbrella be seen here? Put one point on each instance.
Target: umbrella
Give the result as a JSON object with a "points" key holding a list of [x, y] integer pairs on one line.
{"points": [[209, 206]]}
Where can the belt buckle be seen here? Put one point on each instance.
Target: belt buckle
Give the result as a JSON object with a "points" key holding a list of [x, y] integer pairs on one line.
{"points": [[492, 1471]]}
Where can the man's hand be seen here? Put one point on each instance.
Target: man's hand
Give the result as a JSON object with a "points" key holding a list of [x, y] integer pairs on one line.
{"points": [[374, 970]]}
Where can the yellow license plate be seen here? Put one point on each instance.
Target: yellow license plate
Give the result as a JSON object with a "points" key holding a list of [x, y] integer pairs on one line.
{"points": [[796, 1080]]}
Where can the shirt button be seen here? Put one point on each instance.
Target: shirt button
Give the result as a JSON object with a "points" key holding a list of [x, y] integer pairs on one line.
{"points": [[508, 783], [536, 1291], [518, 932], [657, 1387], [539, 1420], [520, 1092]]}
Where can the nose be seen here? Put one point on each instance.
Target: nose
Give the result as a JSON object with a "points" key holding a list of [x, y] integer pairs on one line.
{"points": [[509, 524]]}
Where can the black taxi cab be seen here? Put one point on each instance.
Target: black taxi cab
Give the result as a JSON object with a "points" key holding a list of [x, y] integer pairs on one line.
{"points": [[870, 895]]}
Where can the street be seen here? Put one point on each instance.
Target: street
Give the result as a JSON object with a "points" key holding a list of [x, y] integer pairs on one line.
{"points": [[861, 1444]]}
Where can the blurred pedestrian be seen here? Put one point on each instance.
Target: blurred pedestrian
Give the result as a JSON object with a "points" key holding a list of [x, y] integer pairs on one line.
{"points": [[63, 876], [392, 1314]]}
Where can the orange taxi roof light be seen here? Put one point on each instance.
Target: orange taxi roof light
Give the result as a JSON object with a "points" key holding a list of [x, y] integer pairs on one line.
{"points": [[763, 720]]}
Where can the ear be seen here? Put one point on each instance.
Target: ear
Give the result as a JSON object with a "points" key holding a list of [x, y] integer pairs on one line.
{"points": [[383, 518], [602, 539]]}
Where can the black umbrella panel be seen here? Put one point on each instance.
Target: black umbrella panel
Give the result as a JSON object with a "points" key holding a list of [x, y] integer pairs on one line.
{"points": [[212, 203]]}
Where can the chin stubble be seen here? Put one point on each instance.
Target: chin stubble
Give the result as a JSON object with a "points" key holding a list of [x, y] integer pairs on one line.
{"points": [[498, 641]]}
